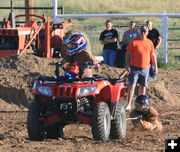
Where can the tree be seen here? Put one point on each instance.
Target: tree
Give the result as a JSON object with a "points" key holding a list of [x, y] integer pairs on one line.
{"points": [[29, 3]]}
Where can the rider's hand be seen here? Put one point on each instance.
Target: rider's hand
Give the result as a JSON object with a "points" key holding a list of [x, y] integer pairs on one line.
{"points": [[139, 117], [144, 123], [128, 69], [148, 125], [96, 66]]}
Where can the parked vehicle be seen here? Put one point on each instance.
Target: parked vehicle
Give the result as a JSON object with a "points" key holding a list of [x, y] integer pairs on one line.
{"points": [[41, 36]]}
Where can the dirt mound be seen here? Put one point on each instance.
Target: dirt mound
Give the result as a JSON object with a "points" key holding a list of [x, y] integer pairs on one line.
{"points": [[166, 89], [159, 94], [18, 74]]}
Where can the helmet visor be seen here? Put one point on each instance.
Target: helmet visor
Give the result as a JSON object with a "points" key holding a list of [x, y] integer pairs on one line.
{"points": [[141, 108], [71, 46]]}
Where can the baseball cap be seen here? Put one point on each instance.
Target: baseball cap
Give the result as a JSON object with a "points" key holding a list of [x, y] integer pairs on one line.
{"points": [[144, 28]]}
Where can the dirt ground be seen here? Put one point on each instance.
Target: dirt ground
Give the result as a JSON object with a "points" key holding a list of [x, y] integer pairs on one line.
{"points": [[17, 75]]}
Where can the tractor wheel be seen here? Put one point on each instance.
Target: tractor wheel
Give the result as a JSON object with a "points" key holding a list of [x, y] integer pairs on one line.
{"points": [[118, 124], [34, 126], [101, 121]]}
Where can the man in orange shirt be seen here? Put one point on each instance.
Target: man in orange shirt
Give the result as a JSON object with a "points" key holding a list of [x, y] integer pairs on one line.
{"points": [[139, 53]]}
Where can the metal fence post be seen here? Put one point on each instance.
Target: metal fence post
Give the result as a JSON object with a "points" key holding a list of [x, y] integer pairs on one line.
{"points": [[165, 35], [55, 11]]}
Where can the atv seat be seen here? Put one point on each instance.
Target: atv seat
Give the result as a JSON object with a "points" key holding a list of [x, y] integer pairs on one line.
{"points": [[100, 78], [114, 81]]}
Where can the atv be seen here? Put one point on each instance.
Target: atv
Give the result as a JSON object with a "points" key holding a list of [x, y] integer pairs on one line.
{"points": [[70, 98]]}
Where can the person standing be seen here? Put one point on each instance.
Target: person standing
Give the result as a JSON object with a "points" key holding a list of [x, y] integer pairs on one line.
{"points": [[128, 35], [109, 39], [155, 37], [140, 52]]}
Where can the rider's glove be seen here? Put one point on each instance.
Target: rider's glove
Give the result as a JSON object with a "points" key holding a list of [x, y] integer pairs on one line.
{"points": [[148, 125]]}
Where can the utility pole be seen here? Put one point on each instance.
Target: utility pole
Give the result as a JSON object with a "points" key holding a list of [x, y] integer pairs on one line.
{"points": [[12, 16], [29, 3]]}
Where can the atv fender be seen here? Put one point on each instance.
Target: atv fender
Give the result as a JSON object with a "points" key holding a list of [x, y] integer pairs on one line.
{"points": [[117, 91], [111, 93], [104, 95]]}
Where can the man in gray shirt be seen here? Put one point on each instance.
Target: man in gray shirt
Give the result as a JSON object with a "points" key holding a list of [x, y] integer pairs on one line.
{"points": [[127, 37], [130, 34]]}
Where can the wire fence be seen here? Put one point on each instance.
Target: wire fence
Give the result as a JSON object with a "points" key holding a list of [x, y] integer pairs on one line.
{"points": [[93, 26]]}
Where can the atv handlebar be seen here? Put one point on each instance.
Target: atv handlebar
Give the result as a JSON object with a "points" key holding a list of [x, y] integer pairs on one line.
{"points": [[81, 69], [58, 64], [91, 79]]}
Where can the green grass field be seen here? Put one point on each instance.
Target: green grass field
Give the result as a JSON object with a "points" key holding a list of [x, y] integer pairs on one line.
{"points": [[108, 6], [94, 26]]}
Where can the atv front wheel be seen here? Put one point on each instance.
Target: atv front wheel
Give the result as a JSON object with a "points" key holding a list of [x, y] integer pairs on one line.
{"points": [[118, 124], [101, 121], [34, 126]]}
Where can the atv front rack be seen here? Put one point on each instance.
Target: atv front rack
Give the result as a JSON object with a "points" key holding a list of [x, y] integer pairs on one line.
{"points": [[91, 79]]}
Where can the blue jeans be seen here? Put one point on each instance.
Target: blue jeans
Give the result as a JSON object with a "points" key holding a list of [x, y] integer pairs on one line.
{"points": [[109, 57]]}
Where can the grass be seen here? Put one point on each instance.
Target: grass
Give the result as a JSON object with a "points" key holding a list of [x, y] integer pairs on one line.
{"points": [[120, 6], [171, 63], [108, 6], [173, 59], [94, 26]]}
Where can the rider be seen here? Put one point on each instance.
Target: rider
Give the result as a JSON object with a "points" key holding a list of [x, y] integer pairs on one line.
{"points": [[147, 116], [76, 53]]}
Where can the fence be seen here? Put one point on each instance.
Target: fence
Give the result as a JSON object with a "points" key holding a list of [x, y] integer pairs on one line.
{"points": [[163, 15], [175, 38]]}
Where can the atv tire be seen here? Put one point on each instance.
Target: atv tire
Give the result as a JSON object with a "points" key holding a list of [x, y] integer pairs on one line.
{"points": [[101, 121], [118, 124], [34, 126]]}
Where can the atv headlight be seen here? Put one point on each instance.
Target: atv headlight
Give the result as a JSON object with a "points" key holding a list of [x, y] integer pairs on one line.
{"points": [[86, 90], [44, 90], [35, 85]]}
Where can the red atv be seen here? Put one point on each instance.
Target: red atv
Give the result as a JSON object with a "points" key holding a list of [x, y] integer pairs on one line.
{"points": [[67, 99]]}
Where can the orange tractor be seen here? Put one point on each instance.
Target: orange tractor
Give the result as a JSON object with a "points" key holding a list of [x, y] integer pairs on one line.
{"points": [[44, 39]]}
